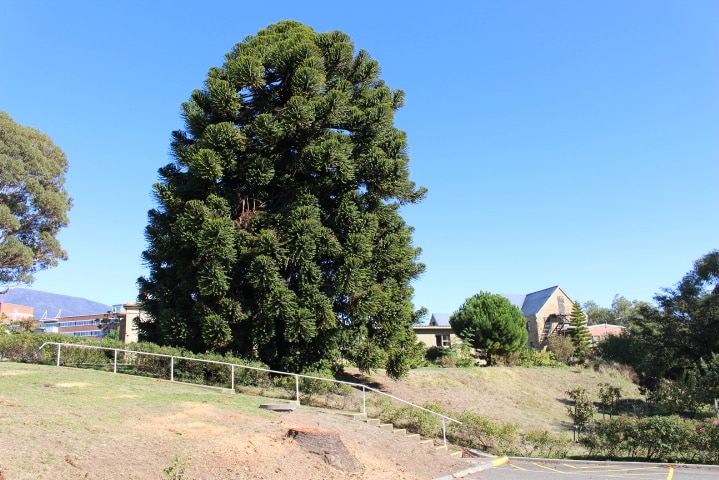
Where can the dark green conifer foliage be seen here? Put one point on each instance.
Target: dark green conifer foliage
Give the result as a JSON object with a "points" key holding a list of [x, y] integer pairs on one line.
{"points": [[490, 323], [277, 233], [581, 336]]}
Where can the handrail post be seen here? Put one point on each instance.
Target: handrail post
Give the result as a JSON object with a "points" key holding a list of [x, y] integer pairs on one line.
{"points": [[364, 400], [115, 369], [297, 388], [172, 369], [58, 354], [233, 379], [444, 431]]}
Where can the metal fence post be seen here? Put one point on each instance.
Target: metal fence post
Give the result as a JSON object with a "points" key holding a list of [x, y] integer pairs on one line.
{"points": [[115, 369], [58, 354], [297, 388], [233, 379], [364, 400], [444, 431], [172, 369]]}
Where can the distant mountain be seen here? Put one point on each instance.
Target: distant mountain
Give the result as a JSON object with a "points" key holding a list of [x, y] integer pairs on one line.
{"points": [[52, 304]]}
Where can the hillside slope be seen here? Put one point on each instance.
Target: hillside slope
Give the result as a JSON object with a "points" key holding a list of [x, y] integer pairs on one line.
{"points": [[75, 423], [83, 424], [529, 397]]}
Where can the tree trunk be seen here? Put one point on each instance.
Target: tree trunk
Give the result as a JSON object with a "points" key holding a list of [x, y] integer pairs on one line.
{"points": [[327, 444]]}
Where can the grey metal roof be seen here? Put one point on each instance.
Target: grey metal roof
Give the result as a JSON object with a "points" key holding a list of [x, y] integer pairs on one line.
{"points": [[516, 300], [535, 301], [439, 320]]}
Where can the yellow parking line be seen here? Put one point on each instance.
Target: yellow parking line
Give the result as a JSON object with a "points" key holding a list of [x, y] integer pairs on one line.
{"points": [[518, 467], [548, 468], [671, 473], [625, 475], [610, 468]]}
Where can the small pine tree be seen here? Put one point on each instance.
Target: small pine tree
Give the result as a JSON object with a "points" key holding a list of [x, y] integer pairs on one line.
{"points": [[580, 333], [490, 323]]}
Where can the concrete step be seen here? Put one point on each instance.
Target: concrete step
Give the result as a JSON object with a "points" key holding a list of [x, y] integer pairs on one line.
{"points": [[413, 437], [355, 415]]}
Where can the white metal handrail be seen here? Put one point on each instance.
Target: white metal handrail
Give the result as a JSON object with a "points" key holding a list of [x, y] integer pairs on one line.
{"points": [[297, 376]]}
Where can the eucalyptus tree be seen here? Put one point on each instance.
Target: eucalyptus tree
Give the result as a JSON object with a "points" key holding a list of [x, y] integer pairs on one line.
{"points": [[33, 202], [277, 232]]}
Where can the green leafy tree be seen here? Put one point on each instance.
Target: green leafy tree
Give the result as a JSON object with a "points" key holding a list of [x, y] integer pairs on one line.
{"points": [[581, 337], [33, 202], [582, 412], [679, 335], [621, 312], [278, 231], [490, 323], [596, 314], [609, 396]]}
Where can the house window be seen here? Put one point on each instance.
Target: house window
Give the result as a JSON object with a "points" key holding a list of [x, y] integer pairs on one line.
{"points": [[443, 341], [529, 327]]}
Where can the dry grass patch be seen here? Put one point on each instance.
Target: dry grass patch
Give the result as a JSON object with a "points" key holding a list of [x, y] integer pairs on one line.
{"points": [[530, 397]]}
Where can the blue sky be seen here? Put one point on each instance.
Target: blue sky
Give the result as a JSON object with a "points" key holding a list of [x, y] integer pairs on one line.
{"points": [[562, 142]]}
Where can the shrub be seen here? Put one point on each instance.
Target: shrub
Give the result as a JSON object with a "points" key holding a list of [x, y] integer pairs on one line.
{"points": [[419, 421], [24, 347], [610, 397], [705, 441], [582, 412], [484, 434], [544, 444], [531, 357], [613, 439], [656, 438], [678, 396], [457, 355], [660, 437], [562, 347]]}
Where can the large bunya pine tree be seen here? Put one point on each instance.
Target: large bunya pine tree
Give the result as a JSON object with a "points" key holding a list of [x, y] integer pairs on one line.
{"points": [[278, 234]]}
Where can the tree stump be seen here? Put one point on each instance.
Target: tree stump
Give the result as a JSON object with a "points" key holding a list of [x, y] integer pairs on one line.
{"points": [[327, 444]]}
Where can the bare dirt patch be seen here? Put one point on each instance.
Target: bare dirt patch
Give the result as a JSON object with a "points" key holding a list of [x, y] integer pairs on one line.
{"points": [[68, 385]]}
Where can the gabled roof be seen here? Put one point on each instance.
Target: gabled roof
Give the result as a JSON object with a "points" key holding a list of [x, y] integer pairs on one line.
{"points": [[534, 302], [530, 304], [439, 320]]}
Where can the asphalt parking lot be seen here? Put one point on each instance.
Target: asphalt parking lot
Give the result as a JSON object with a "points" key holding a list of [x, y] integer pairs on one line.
{"points": [[538, 469]]}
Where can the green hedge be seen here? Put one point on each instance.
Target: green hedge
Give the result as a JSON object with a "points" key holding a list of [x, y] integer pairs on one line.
{"points": [[25, 348], [656, 438]]}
